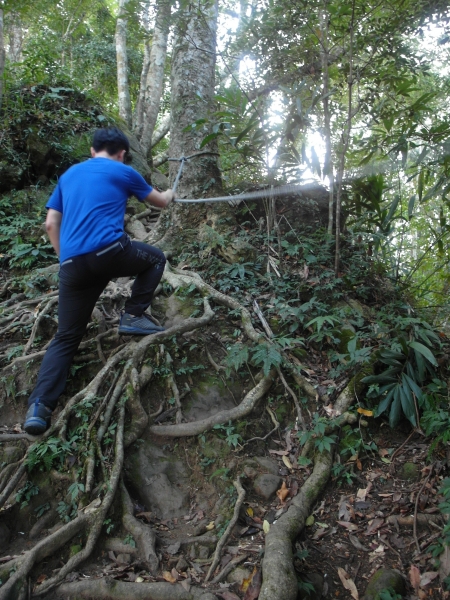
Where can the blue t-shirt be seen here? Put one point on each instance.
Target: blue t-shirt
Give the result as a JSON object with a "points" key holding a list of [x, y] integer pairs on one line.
{"points": [[92, 198]]}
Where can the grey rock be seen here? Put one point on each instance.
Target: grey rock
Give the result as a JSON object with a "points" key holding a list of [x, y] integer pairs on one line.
{"points": [[166, 500], [250, 472], [203, 552], [268, 464], [382, 579], [124, 559], [182, 565], [158, 480], [207, 401], [266, 485], [238, 575], [238, 251]]}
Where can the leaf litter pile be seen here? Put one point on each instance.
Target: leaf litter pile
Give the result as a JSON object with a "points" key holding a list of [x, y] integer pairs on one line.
{"points": [[386, 516]]}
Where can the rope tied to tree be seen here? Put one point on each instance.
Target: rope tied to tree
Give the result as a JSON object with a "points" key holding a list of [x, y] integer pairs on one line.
{"points": [[266, 193]]}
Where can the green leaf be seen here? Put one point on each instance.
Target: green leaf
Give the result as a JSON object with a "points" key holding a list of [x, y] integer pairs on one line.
{"points": [[413, 386], [268, 356], [407, 401], [385, 403], [209, 138], [426, 352], [396, 408]]}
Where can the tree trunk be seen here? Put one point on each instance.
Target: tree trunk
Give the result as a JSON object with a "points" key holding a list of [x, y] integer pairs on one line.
{"points": [[2, 56], [328, 167], [122, 63], [15, 38], [193, 70], [155, 74]]}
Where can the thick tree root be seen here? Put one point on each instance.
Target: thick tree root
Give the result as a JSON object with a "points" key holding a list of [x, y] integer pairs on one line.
{"points": [[223, 416], [279, 579], [111, 589], [143, 534]]}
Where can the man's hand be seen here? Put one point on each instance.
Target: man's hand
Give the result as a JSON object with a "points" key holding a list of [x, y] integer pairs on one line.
{"points": [[53, 226], [160, 199]]}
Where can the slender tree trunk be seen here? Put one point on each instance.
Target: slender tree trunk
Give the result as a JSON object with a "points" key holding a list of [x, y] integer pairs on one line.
{"points": [[345, 140], [155, 74], [138, 115], [328, 168], [2, 56], [193, 70], [162, 130], [123, 88], [15, 37]]}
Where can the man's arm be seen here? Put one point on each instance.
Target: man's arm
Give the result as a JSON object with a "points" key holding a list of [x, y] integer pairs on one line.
{"points": [[53, 226], [160, 199]]}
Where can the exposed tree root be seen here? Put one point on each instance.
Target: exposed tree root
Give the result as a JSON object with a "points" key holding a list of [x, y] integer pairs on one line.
{"points": [[223, 416], [228, 530], [143, 534], [279, 579], [111, 589]]}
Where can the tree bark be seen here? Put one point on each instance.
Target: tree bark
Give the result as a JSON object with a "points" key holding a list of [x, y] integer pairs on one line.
{"points": [[2, 56], [123, 88], [193, 71], [15, 35], [155, 74]]}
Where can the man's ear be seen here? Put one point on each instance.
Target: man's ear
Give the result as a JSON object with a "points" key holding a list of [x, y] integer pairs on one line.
{"points": [[92, 152], [121, 155]]}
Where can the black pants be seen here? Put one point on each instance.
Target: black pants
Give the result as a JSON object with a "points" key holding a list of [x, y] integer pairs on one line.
{"points": [[81, 281]]}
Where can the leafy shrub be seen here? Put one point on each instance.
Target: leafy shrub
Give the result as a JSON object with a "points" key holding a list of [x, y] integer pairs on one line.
{"points": [[408, 361]]}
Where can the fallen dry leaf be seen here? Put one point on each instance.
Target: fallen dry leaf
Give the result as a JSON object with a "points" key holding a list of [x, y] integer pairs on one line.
{"points": [[210, 526], [41, 578], [318, 534], [361, 494], [254, 588], [427, 578], [169, 577], [348, 583], [356, 543], [365, 412], [414, 577], [374, 525], [283, 492], [444, 566], [287, 462], [293, 489], [344, 513], [349, 526], [266, 526]]}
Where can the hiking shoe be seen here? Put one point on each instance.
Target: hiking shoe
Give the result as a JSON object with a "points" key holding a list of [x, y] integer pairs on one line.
{"points": [[143, 325], [37, 419]]}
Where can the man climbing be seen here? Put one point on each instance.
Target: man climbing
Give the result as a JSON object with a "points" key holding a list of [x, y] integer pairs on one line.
{"points": [[85, 225]]}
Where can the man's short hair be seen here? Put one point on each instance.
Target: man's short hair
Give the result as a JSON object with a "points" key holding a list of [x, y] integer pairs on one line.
{"points": [[110, 139]]}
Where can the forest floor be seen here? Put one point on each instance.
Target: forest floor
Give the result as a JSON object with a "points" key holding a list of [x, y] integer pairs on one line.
{"points": [[383, 514]]}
